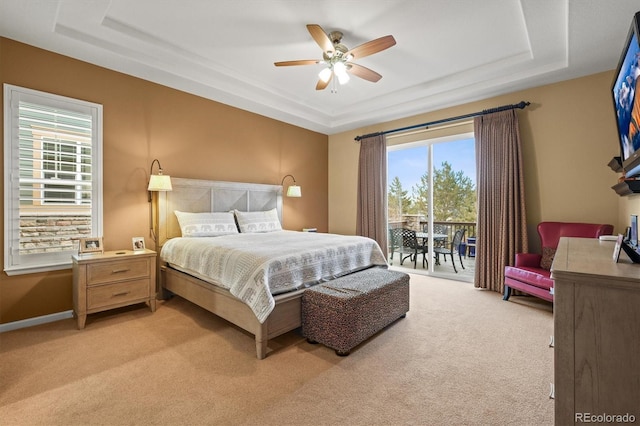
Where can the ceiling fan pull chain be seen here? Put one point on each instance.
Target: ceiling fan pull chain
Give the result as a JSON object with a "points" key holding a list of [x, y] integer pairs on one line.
{"points": [[334, 86]]}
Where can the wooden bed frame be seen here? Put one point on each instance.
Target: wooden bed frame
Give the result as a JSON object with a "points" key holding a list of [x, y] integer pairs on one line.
{"points": [[192, 195]]}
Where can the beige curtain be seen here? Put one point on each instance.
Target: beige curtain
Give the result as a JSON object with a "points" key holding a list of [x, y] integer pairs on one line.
{"points": [[502, 228], [372, 190]]}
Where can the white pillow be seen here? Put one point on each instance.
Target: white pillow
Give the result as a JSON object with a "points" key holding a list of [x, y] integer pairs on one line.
{"points": [[264, 221], [206, 224]]}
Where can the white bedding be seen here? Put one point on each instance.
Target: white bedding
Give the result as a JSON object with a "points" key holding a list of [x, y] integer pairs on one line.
{"points": [[253, 267]]}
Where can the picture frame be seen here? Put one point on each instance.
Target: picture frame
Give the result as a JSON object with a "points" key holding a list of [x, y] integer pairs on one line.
{"points": [[90, 245], [617, 248], [138, 243]]}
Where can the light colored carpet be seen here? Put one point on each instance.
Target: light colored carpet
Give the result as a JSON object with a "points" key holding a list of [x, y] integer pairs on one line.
{"points": [[461, 356]]}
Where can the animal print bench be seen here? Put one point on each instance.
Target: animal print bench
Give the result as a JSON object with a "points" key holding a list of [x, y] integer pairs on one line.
{"points": [[344, 312]]}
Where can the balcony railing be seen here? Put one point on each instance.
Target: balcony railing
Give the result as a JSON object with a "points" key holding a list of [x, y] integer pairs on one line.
{"points": [[451, 226]]}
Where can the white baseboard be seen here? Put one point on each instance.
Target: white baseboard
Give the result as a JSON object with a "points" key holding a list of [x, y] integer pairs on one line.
{"points": [[30, 322]]}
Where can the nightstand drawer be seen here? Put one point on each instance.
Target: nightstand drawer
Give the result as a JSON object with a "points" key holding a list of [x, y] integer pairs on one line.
{"points": [[112, 294], [125, 269]]}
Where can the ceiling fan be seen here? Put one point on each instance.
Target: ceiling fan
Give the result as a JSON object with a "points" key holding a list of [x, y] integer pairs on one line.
{"points": [[337, 57]]}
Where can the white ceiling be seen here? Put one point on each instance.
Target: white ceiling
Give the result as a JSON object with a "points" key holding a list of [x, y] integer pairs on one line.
{"points": [[448, 52]]}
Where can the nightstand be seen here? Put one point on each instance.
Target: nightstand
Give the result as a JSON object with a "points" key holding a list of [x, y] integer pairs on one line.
{"points": [[112, 279]]}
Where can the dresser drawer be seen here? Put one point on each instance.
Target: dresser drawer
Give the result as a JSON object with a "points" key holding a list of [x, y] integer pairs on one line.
{"points": [[112, 294], [125, 269]]}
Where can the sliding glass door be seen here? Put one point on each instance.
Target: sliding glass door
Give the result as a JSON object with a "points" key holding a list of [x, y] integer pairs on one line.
{"points": [[432, 190]]}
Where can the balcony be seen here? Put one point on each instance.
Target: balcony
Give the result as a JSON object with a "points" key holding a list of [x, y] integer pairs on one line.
{"points": [[444, 269]]}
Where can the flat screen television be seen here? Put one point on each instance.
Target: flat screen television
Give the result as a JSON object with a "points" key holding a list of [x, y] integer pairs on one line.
{"points": [[626, 100]]}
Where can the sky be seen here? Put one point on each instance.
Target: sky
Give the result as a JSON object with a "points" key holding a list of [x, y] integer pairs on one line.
{"points": [[410, 164]]}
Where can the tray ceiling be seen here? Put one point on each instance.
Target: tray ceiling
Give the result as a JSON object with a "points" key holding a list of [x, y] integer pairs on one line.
{"points": [[448, 52]]}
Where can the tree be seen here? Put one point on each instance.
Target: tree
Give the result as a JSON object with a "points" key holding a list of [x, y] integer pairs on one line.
{"points": [[421, 196], [455, 195], [398, 200]]}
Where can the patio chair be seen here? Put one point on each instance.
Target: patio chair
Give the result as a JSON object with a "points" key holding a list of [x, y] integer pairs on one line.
{"points": [[454, 247], [405, 242]]}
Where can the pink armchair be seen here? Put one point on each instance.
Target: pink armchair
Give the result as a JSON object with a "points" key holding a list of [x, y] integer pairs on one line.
{"points": [[531, 273]]}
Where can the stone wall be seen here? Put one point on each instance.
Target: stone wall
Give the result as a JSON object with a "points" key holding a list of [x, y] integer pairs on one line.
{"points": [[413, 221], [44, 233]]}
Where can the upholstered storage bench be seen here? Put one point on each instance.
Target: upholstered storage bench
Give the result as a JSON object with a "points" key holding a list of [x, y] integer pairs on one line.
{"points": [[344, 312]]}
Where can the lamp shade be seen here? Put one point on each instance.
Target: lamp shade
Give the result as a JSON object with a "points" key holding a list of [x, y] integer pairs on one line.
{"points": [[294, 191], [160, 183]]}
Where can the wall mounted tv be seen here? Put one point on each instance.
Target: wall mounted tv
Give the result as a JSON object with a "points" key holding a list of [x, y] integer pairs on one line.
{"points": [[626, 100]]}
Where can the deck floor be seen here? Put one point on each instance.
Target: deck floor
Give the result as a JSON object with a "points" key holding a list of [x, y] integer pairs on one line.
{"points": [[443, 270]]}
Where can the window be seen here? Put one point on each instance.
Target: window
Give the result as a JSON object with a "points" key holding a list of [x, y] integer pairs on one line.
{"points": [[53, 178]]}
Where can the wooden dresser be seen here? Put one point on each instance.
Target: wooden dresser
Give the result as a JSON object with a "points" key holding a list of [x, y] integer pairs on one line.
{"points": [[596, 333], [111, 280]]}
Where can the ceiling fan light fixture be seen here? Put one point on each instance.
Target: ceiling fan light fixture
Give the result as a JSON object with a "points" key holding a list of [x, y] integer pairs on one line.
{"points": [[340, 69], [325, 74], [343, 77]]}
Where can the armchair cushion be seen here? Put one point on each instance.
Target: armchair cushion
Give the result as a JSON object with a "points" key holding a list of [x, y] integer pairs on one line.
{"points": [[534, 281], [534, 276]]}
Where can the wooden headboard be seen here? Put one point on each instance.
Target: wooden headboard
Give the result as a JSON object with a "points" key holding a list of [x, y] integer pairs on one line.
{"points": [[193, 195]]}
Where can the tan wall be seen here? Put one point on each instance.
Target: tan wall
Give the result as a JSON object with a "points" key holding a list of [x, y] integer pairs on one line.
{"points": [[568, 137], [191, 136]]}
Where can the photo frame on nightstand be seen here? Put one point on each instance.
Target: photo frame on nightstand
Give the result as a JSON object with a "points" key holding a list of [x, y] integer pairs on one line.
{"points": [[90, 245], [138, 243]]}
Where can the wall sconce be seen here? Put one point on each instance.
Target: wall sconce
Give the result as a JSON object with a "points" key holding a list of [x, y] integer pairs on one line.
{"points": [[157, 183], [294, 190]]}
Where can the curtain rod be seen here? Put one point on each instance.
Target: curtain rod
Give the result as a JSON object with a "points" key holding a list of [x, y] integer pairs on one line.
{"points": [[521, 105]]}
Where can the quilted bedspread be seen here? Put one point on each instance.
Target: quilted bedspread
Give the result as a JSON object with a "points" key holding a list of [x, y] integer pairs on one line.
{"points": [[254, 267]]}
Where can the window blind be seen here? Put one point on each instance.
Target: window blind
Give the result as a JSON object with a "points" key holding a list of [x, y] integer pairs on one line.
{"points": [[55, 177], [55, 156]]}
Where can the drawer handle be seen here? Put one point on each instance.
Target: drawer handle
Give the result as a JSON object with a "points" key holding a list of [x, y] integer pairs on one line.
{"points": [[552, 392], [122, 293], [117, 271]]}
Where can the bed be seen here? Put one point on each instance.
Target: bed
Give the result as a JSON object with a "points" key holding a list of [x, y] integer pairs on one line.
{"points": [[236, 280]]}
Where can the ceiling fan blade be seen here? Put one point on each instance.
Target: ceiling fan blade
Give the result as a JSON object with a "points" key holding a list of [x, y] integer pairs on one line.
{"points": [[323, 84], [371, 47], [321, 38], [363, 72], [300, 62]]}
